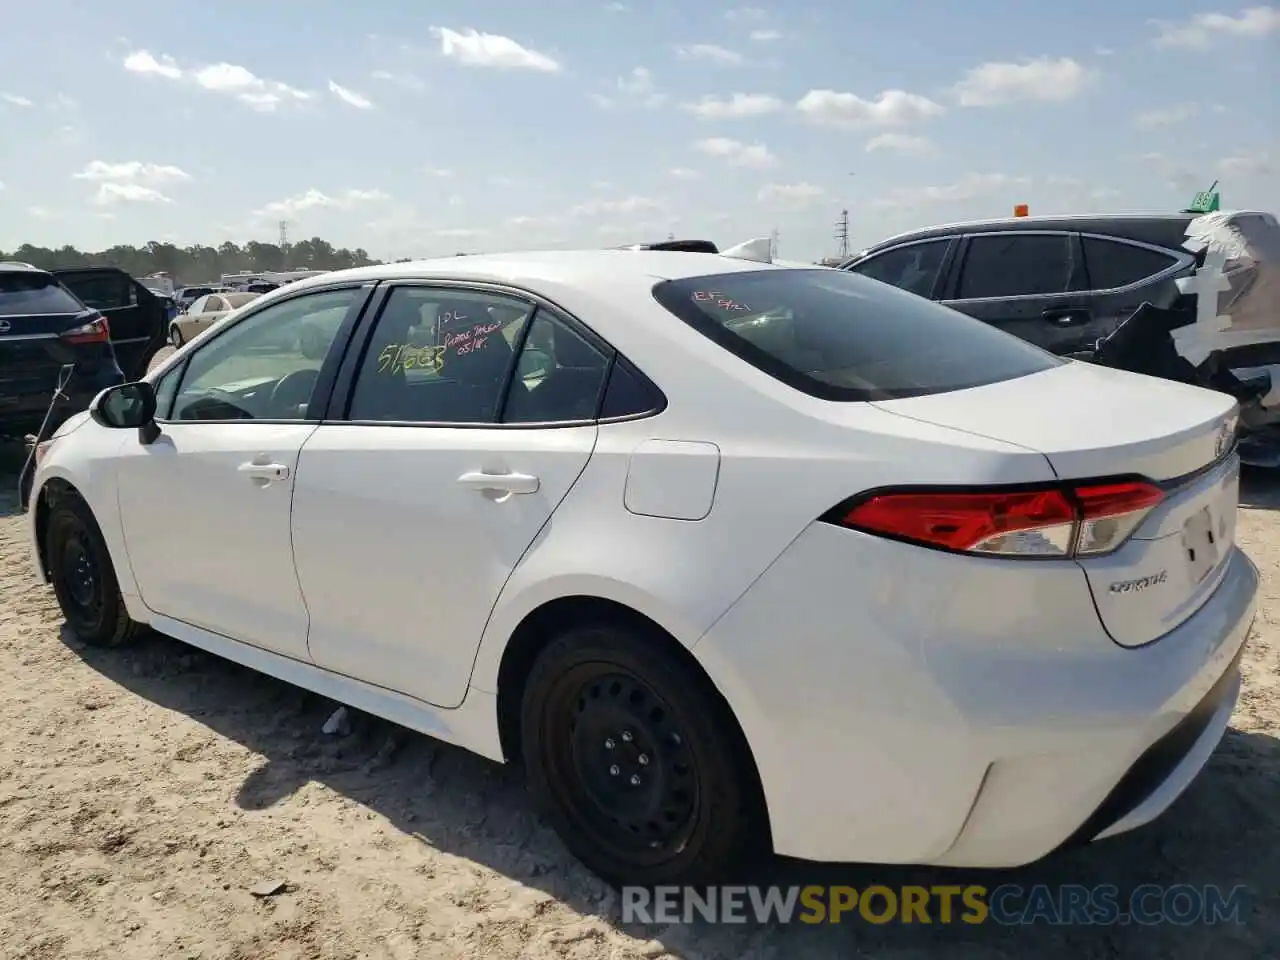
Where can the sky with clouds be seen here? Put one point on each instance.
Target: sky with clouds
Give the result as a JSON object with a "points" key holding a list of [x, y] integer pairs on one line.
{"points": [[423, 129]]}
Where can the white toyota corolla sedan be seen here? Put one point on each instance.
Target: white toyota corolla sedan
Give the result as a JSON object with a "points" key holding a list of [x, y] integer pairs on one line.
{"points": [[730, 556]]}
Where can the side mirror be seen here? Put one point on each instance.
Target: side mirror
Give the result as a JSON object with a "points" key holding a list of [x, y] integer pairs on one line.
{"points": [[127, 406]]}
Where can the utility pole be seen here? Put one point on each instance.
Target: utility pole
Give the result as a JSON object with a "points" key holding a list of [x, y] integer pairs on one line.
{"points": [[773, 244], [284, 242], [842, 233]]}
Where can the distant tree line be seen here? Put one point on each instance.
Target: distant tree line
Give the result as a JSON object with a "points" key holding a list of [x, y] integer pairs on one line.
{"points": [[196, 264]]}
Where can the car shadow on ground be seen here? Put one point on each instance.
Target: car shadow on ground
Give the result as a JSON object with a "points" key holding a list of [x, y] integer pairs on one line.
{"points": [[1223, 832], [1260, 488]]}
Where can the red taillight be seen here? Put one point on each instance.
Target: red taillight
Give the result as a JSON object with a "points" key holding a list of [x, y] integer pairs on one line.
{"points": [[1085, 519], [95, 331]]}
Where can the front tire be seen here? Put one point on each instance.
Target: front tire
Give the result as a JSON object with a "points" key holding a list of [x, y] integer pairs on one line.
{"points": [[637, 763], [175, 336], [83, 577]]}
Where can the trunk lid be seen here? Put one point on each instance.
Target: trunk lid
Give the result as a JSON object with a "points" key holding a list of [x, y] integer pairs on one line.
{"points": [[1091, 422]]}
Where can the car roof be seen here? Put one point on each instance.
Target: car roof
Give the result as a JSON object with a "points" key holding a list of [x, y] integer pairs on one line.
{"points": [[593, 270], [17, 266], [1161, 229]]}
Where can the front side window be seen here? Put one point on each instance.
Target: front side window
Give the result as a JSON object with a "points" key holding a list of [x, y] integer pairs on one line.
{"points": [[913, 268], [28, 293], [839, 336], [266, 366], [439, 356], [1018, 265]]}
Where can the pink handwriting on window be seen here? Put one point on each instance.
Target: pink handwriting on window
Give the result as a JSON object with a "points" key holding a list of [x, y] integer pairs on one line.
{"points": [[713, 298], [480, 331]]}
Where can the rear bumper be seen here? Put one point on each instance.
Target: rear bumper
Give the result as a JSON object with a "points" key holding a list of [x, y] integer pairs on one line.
{"points": [[24, 412], [903, 735]]}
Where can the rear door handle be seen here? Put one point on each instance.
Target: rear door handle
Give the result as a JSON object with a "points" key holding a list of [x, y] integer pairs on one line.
{"points": [[1068, 317], [501, 483], [256, 470]]}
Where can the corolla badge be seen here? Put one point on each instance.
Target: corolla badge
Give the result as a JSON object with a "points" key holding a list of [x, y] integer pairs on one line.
{"points": [[1142, 583]]}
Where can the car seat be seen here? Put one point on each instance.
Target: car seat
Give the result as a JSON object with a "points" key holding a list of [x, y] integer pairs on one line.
{"points": [[569, 392], [383, 394]]}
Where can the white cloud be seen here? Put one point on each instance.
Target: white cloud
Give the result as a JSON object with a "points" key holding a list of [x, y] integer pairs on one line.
{"points": [[142, 61], [709, 52], [437, 172], [41, 213], [746, 15], [736, 106], [890, 108], [227, 78], [636, 88], [736, 153], [901, 143], [625, 205], [131, 171], [1246, 165], [615, 7], [968, 187], [475, 49], [1203, 28], [253, 91], [110, 193], [14, 100], [765, 36], [1167, 117], [350, 97], [684, 173], [461, 233], [1043, 80], [406, 80], [1104, 52], [791, 194], [314, 199]]}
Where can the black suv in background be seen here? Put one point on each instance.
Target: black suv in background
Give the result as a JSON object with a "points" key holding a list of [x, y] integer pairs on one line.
{"points": [[98, 318], [1059, 282]]}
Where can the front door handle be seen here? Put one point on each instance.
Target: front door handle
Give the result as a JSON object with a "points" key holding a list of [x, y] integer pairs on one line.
{"points": [[265, 472], [500, 483]]}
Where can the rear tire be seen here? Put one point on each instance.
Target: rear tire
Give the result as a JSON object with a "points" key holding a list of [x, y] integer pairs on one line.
{"points": [[636, 763], [83, 577]]}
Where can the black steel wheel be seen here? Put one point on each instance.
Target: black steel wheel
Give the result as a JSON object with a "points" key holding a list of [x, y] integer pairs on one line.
{"points": [[639, 766], [83, 578]]}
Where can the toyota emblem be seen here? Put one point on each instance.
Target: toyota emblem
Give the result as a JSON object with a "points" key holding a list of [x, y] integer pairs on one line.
{"points": [[4, 326]]}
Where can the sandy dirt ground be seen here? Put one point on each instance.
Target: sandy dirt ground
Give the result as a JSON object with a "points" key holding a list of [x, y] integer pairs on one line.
{"points": [[144, 794]]}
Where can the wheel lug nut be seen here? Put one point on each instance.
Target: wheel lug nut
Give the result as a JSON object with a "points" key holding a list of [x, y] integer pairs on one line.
{"points": [[614, 771], [635, 779], [609, 744], [643, 759], [626, 736]]}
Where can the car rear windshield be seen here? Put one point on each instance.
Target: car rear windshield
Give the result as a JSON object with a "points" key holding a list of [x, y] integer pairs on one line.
{"points": [[35, 294], [840, 336]]}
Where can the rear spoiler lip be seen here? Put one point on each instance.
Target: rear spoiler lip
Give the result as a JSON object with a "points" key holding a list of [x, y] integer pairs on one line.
{"points": [[760, 250]]}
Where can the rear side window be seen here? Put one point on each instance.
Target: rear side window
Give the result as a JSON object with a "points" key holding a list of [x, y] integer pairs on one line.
{"points": [[1113, 264], [913, 268], [34, 294], [102, 291], [839, 336], [1018, 265]]}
